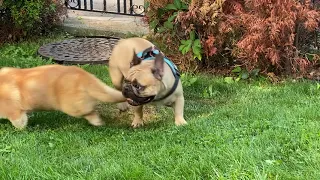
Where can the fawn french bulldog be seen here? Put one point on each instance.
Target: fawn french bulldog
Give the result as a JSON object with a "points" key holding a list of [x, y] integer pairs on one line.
{"points": [[145, 76], [69, 89]]}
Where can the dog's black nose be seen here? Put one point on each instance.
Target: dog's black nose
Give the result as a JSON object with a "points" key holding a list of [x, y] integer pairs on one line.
{"points": [[126, 88], [126, 91]]}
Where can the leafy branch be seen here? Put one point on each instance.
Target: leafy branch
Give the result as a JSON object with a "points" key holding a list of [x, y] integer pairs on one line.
{"points": [[193, 43]]}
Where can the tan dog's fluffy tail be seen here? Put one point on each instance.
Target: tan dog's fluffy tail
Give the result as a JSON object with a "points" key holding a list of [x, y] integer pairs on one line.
{"points": [[100, 91]]}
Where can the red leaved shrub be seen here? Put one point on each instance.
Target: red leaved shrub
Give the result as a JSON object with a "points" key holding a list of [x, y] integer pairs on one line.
{"points": [[272, 35], [271, 30]]}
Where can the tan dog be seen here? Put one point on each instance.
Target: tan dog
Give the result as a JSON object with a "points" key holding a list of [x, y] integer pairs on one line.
{"points": [[145, 81], [52, 87]]}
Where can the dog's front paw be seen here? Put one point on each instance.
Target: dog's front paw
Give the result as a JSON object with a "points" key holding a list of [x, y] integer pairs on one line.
{"points": [[124, 106], [20, 123], [94, 119], [137, 123], [97, 123], [180, 121]]}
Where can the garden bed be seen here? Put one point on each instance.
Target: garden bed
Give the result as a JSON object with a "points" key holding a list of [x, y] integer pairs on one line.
{"points": [[236, 130]]}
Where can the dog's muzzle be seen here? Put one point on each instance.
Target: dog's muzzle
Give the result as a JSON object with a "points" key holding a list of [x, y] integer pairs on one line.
{"points": [[132, 98]]}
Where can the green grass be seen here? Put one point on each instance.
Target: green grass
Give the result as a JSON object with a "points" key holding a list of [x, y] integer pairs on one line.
{"points": [[243, 131]]}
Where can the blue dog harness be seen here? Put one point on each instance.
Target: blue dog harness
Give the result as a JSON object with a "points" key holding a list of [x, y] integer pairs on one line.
{"points": [[149, 54]]}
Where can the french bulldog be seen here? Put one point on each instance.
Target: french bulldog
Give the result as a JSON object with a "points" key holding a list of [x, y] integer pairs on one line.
{"points": [[145, 76], [69, 89]]}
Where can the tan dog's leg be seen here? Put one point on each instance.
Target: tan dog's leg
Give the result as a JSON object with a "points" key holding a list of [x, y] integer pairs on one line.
{"points": [[84, 108], [138, 117], [19, 119], [178, 111], [116, 78], [94, 119], [124, 106]]}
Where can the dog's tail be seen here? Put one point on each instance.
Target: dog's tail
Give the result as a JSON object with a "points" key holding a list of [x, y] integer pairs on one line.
{"points": [[102, 92]]}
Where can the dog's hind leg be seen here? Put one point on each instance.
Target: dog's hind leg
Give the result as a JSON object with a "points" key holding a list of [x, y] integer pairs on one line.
{"points": [[18, 119]]}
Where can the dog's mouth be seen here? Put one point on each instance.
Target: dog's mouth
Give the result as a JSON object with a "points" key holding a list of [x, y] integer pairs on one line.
{"points": [[133, 97], [141, 101]]}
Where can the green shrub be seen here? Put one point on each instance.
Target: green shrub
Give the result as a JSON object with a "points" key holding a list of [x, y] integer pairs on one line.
{"points": [[22, 18]]}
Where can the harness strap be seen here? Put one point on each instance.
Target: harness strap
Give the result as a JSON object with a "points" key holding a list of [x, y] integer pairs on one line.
{"points": [[149, 54], [174, 87]]}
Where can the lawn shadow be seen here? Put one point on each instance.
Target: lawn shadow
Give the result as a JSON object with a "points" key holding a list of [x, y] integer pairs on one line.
{"points": [[113, 118], [55, 120], [4, 121], [153, 116]]}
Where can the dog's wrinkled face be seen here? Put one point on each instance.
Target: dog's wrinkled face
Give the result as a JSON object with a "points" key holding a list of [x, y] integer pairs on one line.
{"points": [[133, 92], [144, 80]]}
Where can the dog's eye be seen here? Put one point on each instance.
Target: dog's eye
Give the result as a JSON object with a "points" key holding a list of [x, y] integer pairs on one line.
{"points": [[126, 81], [137, 86]]}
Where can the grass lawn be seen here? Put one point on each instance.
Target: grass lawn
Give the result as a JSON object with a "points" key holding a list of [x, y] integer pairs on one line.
{"points": [[242, 131]]}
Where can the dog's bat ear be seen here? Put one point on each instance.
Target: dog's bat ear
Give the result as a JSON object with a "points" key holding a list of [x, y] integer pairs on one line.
{"points": [[158, 66], [135, 59]]}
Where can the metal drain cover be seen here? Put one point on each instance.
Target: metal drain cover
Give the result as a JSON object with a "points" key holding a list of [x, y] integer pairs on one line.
{"points": [[80, 50]]}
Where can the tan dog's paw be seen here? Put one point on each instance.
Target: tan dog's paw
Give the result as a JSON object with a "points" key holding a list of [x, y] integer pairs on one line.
{"points": [[124, 106], [180, 122], [94, 119], [21, 123], [97, 123], [137, 123]]}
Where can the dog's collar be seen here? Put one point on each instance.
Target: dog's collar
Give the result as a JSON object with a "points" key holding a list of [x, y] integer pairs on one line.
{"points": [[149, 54]]}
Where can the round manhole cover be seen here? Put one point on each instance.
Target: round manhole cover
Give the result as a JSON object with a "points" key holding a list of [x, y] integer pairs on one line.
{"points": [[80, 50]]}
